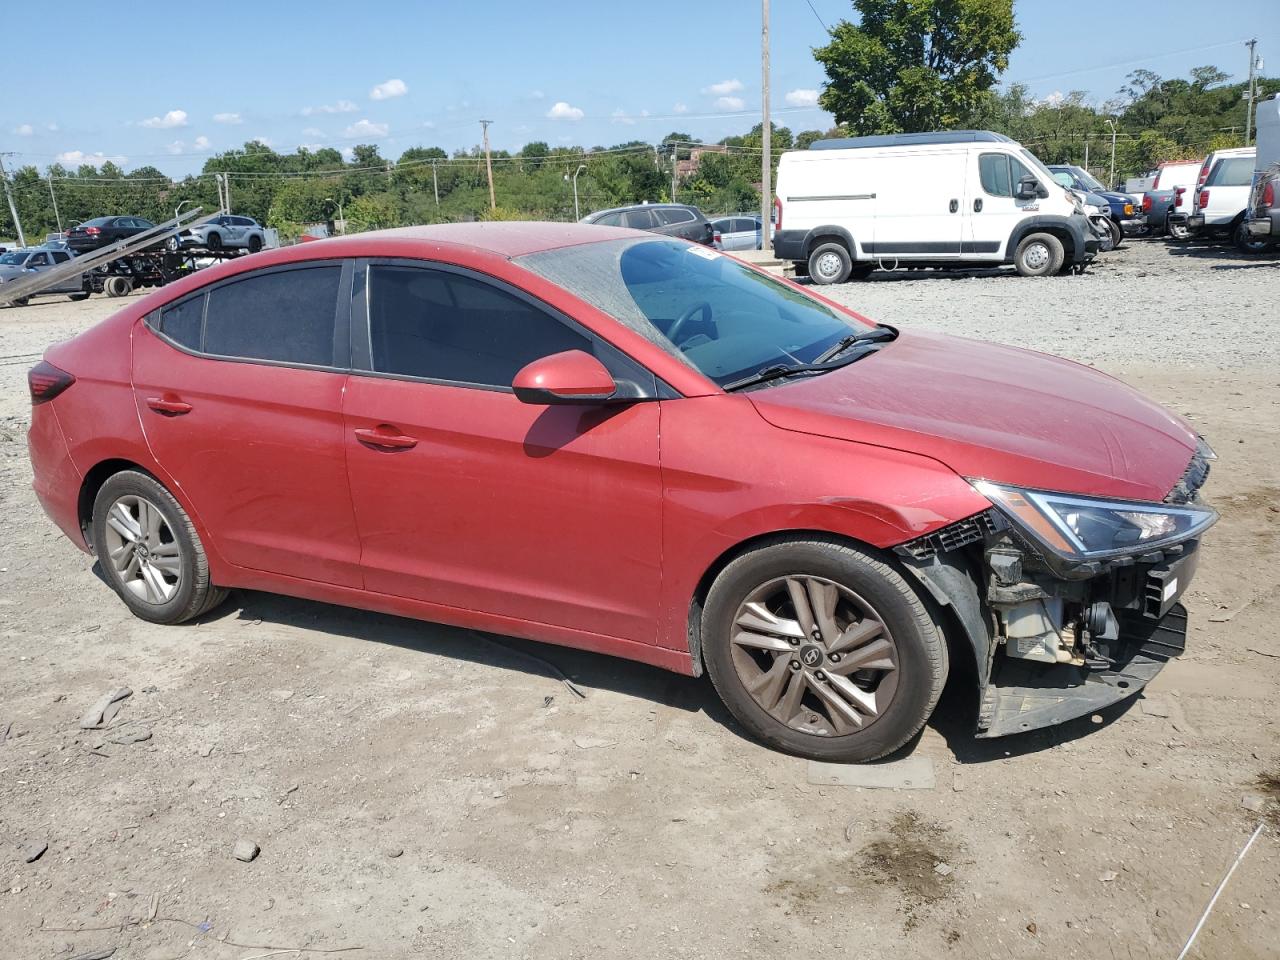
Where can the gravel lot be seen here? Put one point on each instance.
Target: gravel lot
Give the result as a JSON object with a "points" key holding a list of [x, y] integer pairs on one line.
{"points": [[423, 791]]}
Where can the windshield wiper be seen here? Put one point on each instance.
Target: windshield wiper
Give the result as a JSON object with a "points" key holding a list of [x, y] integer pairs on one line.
{"points": [[881, 334], [779, 370]]}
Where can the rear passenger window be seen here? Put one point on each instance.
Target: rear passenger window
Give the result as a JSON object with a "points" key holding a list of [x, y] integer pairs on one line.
{"points": [[639, 219], [1231, 172], [442, 326], [181, 323], [287, 316], [670, 217], [60, 257], [993, 168]]}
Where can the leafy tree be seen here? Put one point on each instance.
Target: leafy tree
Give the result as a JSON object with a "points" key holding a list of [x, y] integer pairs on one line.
{"points": [[913, 65]]}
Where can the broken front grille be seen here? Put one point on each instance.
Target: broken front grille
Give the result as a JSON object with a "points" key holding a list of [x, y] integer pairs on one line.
{"points": [[951, 537]]}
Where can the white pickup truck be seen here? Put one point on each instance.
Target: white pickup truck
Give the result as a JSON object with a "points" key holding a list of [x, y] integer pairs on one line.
{"points": [[1222, 195]]}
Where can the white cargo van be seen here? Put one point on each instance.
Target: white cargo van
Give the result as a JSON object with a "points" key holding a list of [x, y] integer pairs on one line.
{"points": [[957, 198]]}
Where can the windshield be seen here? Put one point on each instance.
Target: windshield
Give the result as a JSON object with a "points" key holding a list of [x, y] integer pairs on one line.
{"points": [[14, 258], [1088, 179], [721, 317]]}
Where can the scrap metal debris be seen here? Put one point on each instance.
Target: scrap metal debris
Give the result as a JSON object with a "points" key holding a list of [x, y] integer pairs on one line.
{"points": [[105, 709]]}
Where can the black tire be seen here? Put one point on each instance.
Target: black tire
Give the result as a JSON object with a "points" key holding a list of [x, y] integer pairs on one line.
{"points": [[214, 240], [921, 652], [77, 297], [1039, 255], [1117, 235], [117, 286], [255, 243], [195, 594], [22, 302], [861, 271], [830, 263], [1246, 242]]}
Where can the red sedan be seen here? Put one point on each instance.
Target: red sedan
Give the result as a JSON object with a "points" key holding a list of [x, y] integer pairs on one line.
{"points": [[627, 443]]}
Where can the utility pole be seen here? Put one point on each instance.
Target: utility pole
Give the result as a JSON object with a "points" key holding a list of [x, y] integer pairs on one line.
{"points": [[56, 215], [766, 155], [1111, 121], [13, 211], [1086, 154], [488, 162], [435, 184], [675, 166], [1248, 92]]}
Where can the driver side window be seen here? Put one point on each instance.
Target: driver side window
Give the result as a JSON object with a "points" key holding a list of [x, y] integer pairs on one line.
{"points": [[993, 169]]}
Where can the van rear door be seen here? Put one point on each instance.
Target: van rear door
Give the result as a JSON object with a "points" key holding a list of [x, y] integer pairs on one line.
{"points": [[919, 205]]}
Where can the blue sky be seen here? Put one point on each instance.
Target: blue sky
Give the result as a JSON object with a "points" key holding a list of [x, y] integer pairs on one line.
{"points": [[169, 91]]}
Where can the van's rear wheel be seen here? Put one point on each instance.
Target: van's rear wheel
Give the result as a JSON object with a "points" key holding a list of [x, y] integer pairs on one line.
{"points": [[830, 263], [822, 650], [1039, 255]]}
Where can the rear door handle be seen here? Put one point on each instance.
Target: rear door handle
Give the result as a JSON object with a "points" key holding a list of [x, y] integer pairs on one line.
{"points": [[172, 408], [977, 205], [384, 437], [955, 205]]}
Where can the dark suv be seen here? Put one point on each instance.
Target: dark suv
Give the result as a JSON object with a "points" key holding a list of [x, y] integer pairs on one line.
{"points": [[668, 219]]}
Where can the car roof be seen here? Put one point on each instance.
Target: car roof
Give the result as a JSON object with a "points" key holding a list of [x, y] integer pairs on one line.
{"points": [[645, 206]]}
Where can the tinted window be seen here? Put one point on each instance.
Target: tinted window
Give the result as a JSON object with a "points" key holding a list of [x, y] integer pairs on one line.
{"points": [[242, 221], [181, 323], [287, 315], [38, 260], [745, 226], [639, 219], [60, 257], [724, 225], [610, 220], [1231, 172], [98, 222], [676, 216], [442, 326], [993, 168]]}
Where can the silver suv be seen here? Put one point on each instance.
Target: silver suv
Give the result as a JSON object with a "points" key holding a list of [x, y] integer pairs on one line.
{"points": [[226, 231]]}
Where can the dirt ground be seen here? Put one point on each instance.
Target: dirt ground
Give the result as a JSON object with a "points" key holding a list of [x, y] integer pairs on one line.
{"points": [[420, 791]]}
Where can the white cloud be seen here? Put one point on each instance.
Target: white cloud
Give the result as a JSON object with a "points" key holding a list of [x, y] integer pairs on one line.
{"points": [[227, 118], [620, 116], [312, 147], [51, 126], [24, 130], [729, 103], [803, 97], [680, 108], [174, 118], [723, 88], [200, 143], [562, 111], [176, 147], [537, 95], [389, 90], [367, 128], [265, 141], [342, 106], [78, 157], [1054, 99], [348, 153], [313, 132]]}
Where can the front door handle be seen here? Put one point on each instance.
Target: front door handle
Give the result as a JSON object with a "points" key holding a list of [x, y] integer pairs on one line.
{"points": [[386, 437], [167, 406], [955, 205], [977, 205]]}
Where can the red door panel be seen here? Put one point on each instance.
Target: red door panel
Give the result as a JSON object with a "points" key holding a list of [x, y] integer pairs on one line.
{"points": [[258, 449], [469, 498]]}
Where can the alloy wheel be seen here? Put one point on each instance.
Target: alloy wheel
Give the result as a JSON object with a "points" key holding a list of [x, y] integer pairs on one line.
{"points": [[142, 550], [814, 655]]}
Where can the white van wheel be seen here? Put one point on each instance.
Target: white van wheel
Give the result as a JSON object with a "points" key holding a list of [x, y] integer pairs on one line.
{"points": [[1039, 255], [830, 263]]}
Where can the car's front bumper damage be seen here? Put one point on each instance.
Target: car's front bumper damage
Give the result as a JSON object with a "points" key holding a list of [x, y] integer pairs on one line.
{"points": [[1054, 640]]}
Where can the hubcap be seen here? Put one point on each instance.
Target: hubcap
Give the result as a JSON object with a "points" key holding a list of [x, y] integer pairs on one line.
{"points": [[142, 550], [1036, 256], [829, 265], [814, 655]]}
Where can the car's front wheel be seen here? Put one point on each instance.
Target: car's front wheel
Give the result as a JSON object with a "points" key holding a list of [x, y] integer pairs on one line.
{"points": [[822, 650], [149, 550], [830, 263]]}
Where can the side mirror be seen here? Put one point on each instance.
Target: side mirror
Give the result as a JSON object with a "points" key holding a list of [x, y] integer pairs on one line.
{"points": [[570, 377], [1029, 188]]}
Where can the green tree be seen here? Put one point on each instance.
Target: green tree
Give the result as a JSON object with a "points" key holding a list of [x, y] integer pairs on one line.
{"points": [[914, 65]]}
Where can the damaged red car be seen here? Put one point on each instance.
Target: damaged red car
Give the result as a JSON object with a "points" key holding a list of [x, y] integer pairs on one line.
{"points": [[630, 444]]}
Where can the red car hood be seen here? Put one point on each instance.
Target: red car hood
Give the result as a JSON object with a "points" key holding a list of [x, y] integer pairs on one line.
{"points": [[995, 412]]}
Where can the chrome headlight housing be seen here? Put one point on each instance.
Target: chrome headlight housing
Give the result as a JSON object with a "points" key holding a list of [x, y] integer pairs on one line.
{"points": [[1093, 528]]}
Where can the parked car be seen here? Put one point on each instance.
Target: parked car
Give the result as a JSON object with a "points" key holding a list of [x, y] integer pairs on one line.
{"points": [[1124, 209], [226, 231], [464, 427], [20, 264], [1168, 197], [1262, 218], [1219, 206], [959, 198], [104, 231], [739, 231], [668, 219]]}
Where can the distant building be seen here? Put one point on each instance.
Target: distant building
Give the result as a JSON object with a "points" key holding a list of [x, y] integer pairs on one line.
{"points": [[685, 168]]}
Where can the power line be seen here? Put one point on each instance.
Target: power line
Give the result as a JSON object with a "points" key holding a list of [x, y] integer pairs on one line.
{"points": [[815, 13]]}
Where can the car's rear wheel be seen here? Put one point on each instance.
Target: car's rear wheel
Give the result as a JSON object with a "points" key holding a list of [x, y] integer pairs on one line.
{"points": [[1117, 235], [822, 650], [149, 550], [1039, 255], [830, 263], [1246, 242], [214, 241], [255, 243]]}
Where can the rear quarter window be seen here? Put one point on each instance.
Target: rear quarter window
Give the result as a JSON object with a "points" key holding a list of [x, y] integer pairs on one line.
{"points": [[285, 316], [1231, 172], [673, 216], [183, 321]]}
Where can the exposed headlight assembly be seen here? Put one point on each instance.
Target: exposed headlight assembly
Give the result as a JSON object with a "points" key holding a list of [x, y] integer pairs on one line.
{"points": [[1092, 528]]}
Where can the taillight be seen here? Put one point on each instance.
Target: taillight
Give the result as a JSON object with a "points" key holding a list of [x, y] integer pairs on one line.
{"points": [[92, 230], [1204, 199], [1155, 184], [47, 381], [1179, 192], [1269, 194], [1146, 203], [777, 209], [1204, 170]]}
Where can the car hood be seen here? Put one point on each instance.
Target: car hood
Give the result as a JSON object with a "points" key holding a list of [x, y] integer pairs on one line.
{"points": [[9, 272], [994, 412]]}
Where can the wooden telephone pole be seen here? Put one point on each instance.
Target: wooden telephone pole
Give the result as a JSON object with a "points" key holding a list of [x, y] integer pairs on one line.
{"points": [[766, 155], [488, 162]]}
